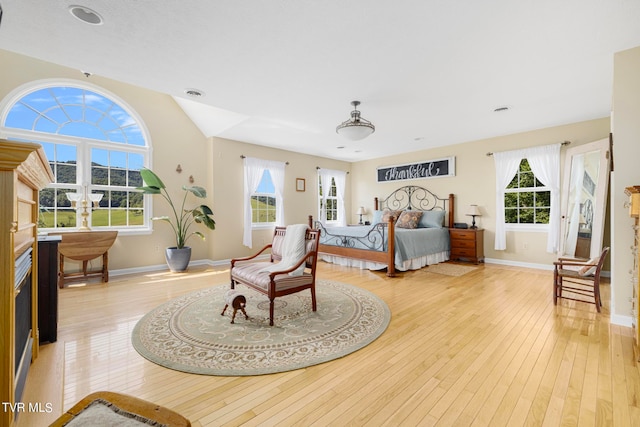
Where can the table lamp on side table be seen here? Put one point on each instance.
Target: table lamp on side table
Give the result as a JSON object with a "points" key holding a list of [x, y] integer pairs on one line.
{"points": [[473, 212], [361, 211]]}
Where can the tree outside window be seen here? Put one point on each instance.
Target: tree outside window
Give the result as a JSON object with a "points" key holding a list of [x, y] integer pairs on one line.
{"points": [[526, 200], [332, 201]]}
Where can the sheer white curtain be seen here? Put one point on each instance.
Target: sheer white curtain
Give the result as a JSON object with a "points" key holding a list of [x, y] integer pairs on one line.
{"points": [[575, 194], [340, 178], [545, 164], [507, 163], [253, 170], [325, 184], [277, 176]]}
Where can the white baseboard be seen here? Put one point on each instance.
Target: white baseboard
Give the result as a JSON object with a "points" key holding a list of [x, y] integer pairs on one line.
{"points": [[620, 320], [519, 264], [160, 267], [548, 267]]}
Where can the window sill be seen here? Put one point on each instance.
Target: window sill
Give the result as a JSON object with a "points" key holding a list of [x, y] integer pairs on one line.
{"points": [[532, 228], [121, 231], [262, 226]]}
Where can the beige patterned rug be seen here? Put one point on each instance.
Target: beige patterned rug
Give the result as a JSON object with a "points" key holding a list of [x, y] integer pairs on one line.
{"points": [[449, 269], [189, 334]]}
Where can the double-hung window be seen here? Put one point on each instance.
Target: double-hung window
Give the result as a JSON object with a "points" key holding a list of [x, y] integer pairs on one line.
{"points": [[263, 202], [331, 193], [526, 199], [330, 210], [96, 147]]}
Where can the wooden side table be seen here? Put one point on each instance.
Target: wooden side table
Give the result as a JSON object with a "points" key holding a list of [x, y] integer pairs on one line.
{"points": [[85, 246], [467, 244]]}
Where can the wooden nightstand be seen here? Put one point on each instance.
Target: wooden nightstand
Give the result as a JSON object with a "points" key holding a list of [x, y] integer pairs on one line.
{"points": [[467, 244]]}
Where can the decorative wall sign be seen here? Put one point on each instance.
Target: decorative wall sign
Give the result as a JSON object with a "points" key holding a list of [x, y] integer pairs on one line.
{"points": [[428, 169]]}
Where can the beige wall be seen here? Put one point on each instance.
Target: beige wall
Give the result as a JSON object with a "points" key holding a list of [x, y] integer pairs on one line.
{"points": [[227, 201], [626, 149], [474, 182]]}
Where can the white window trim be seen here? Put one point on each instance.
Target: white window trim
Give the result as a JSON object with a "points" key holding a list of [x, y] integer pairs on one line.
{"points": [[527, 226], [258, 225]]}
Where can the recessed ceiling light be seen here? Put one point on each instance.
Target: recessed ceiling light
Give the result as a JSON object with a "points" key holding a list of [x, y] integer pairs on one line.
{"points": [[499, 109], [195, 93], [86, 14]]}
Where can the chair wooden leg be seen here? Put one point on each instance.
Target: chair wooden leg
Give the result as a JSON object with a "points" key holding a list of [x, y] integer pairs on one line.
{"points": [[314, 306], [555, 288], [271, 306], [61, 273]]}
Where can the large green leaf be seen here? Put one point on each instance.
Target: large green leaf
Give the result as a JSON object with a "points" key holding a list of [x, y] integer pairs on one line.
{"points": [[196, 191], [151, 179], [149, 190], [202, 214]]}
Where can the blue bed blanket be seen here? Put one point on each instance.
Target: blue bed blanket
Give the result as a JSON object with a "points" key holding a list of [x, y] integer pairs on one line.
{"points": [[409, 243]]}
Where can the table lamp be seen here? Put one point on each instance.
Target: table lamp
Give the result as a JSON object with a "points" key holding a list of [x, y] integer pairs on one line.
{"points": [[361, 211], [473, 212], [77, 199]]}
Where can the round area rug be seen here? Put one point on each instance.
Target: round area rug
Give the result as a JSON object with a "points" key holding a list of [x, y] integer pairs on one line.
{"points": [[189, 334]]}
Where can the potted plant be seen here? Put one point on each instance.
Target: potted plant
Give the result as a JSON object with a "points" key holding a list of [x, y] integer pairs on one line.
{"points": [[178, 256]]}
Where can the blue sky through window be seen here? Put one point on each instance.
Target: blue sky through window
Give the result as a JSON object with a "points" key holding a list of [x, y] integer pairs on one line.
{"points": [[266, 183], [75, 112]]}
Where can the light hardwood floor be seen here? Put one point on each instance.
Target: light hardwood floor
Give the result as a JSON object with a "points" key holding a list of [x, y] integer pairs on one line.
{"points": [[485, 348]]}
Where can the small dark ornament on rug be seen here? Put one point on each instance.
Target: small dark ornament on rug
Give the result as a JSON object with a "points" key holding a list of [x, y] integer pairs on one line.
{"points": [[237, 301]]}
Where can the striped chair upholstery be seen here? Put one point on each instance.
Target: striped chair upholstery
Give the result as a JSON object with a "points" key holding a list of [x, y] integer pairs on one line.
{"points": [[278, 283]]}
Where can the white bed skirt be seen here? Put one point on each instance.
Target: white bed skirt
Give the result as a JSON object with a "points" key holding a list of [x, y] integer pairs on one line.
{"points": [[412, 264]]}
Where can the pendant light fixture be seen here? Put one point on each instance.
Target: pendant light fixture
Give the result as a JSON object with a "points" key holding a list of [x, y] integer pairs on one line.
{"points": [[356, 127]]}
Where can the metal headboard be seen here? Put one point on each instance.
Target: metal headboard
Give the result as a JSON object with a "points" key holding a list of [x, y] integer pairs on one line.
{"points": [[413, 197]]}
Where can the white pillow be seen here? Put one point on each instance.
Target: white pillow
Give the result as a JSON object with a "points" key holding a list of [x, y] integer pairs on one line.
{"points": [[588, 270]]}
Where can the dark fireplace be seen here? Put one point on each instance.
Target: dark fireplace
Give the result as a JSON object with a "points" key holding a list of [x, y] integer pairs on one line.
{"points": [[24, 340]]}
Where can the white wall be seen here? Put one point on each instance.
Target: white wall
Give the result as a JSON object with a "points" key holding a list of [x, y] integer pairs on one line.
{"points": [[626, 157]]}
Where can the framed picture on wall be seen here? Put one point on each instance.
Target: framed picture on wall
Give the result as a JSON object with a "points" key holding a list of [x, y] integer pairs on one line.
{"points": [[300, 184]]}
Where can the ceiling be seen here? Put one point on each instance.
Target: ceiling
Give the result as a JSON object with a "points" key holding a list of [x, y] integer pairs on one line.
{"points": [[282, 73]]}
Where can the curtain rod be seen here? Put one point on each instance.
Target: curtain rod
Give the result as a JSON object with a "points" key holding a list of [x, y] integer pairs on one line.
{"points": [[318, 168], [562, 143], [242, 156]]}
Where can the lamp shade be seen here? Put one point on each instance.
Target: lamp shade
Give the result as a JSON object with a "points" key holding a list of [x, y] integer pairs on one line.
{"points": [[73, 197], [356, 127], [473, 211], [355, 131], [361, 210]]}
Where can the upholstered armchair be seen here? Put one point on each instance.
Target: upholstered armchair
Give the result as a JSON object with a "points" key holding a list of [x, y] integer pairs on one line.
{"points": [[274, 281]]}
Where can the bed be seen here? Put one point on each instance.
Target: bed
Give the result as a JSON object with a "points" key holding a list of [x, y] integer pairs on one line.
{"points": [[396, 248]]}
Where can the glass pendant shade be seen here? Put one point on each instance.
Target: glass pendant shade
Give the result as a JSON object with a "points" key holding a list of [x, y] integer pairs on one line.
{"points": [[356, 127]]}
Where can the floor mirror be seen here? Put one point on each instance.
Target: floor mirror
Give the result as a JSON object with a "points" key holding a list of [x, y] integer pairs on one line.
{"points": [[584, 195]]}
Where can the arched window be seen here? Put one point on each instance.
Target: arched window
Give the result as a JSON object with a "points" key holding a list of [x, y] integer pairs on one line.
{"points": [[96, 147]]}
